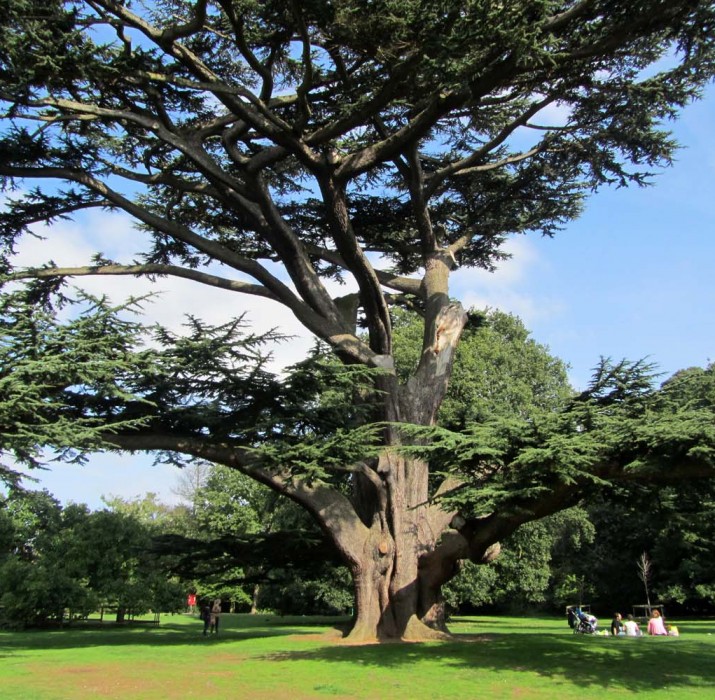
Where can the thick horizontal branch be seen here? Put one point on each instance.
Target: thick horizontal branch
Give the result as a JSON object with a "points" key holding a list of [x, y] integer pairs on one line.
{"points": [[361, 161], [332, 509], [216, 88], [170, 228], [483, 533], [164, 178]]}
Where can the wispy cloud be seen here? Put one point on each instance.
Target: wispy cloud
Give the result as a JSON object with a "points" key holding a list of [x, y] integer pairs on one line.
{"points": [[508, 287], [73, 244]]}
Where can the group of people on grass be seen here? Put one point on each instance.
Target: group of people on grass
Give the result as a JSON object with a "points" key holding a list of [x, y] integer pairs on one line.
{"points": [[211, 616], [630, 628]]}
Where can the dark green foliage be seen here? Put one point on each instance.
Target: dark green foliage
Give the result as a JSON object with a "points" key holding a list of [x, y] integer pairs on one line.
{"points": [[367, 70], [325, 589], [672, 523], [58, 563], [61, 381], [499, 370], [255, 548], [527, 574], [381, 142], [683, 547], [72, 383], [223, 128], [621, 427]]}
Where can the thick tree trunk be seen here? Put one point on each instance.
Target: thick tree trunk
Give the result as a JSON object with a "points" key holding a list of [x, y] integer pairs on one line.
{"points": [[399, 571], [388, 593], [254, 599], [387, 530]]}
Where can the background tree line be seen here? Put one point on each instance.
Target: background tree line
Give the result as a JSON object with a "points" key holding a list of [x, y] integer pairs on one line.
{"points": [[59, 563]]}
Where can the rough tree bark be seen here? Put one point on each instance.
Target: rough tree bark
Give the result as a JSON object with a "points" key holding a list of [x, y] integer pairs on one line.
{"points": [[392, 551]]}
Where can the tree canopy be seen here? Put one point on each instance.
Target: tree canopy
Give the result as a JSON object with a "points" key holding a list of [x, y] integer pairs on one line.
{"points": [[277, 149], [57, 563]]}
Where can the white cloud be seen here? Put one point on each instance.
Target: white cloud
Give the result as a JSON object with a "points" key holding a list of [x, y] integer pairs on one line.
{"points": [[72, 244], [507, 288]]}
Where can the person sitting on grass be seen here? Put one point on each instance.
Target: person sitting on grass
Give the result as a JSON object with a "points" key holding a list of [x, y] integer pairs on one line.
{"points": [[617, 625], [631, 627], [655, 624]]}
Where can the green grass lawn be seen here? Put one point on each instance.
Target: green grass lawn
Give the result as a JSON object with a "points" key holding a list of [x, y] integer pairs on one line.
{"points": [[297, 658]]}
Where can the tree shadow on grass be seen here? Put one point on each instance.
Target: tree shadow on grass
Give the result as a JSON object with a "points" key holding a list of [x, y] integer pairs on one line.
{"points": [[639, 664], [164, 635]]}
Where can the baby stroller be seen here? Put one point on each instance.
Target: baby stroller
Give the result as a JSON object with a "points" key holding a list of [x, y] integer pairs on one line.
{"points": [[581, 622]]}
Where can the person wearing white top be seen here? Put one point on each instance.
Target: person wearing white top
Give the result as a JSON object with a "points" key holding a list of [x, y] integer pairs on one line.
{"points": [[631, 627]]}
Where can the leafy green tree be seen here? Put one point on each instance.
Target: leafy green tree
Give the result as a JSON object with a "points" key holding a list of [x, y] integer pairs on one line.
{"points": [[107, 549], [378, 142], [683, 550], [526, 574], [231, 506], [71, 559], [35, 582], [149, 512], [231, 503], [673, 523], [499, 369], [40, 357]]}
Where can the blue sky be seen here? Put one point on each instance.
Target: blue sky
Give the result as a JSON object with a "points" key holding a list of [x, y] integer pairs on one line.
{"points": [[633, 278]]}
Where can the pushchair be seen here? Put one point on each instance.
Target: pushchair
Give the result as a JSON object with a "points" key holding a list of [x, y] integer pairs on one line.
{"points": [[581, 622]]}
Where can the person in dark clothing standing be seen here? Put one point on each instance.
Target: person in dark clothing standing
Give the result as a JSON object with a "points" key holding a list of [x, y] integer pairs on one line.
{"points": [[206, 616]]}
